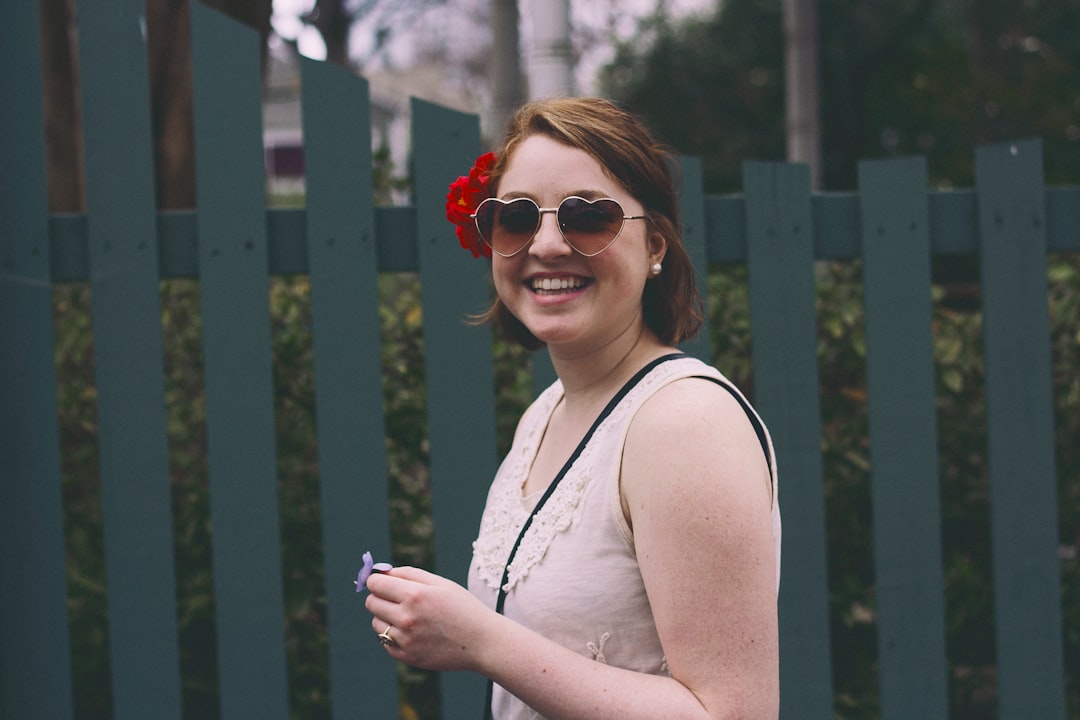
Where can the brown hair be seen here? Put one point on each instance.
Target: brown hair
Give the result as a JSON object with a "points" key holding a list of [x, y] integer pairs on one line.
{"points": [[625, 149]]}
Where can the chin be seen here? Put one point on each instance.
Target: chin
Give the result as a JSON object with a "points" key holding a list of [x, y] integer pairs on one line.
{"points": [[551, 335]]}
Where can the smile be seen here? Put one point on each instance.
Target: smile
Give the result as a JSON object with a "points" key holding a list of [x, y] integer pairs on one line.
{"points": [[545, 286]]}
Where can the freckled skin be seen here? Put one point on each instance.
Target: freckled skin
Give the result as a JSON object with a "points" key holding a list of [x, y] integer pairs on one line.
{"points": [[610, 304]]}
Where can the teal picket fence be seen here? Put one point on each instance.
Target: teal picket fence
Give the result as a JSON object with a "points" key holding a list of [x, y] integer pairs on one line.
{"points": [[122, 248]]}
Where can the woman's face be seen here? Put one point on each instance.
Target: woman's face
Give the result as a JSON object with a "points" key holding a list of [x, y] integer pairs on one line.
{"points": [[569, 301]]}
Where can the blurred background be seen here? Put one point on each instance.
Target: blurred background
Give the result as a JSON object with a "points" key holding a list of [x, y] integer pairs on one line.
{"points": [[826, 82]]}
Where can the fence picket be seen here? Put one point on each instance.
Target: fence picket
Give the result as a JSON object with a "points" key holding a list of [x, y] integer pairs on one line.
{"points": [[782, 295], [129, 371], [909, 590], [231, 199], [689, 177], [1023, 479], [35, 650], [458, 361], [348, 376], [1063, 219]]}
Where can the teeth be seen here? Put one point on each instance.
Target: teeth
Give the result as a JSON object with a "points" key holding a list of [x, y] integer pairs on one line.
{"points": [[557, 283]]}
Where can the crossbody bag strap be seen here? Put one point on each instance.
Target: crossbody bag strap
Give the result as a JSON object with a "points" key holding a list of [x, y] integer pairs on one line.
{"points": [[500, 601], [759, 429]]}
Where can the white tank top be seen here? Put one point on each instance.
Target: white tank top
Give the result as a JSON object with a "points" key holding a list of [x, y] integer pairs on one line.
{"points": [[574, 578]]}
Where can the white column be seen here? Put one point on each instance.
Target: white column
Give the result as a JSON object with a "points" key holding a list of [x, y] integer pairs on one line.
{"points": [[550, 60], [507, 79], [802, 84]]}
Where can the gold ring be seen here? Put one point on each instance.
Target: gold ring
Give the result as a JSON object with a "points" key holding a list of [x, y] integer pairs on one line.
{"points": [[384, 637]]}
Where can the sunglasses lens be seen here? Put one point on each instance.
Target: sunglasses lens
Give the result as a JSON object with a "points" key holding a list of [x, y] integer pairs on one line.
{"points": [[507, 226], [590, 226]]}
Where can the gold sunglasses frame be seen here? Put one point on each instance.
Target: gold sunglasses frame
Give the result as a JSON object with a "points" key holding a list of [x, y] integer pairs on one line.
{"points": [[541, 211]]}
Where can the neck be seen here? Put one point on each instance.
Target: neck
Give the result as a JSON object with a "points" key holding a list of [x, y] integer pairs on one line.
{"points": [[596, 374]]}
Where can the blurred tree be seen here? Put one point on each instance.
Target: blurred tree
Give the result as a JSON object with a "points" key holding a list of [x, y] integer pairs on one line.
{"points": [[168, 25], [802, 82], [909, 77], [332, 20], [507, 83], [708, 86], [63, 135], [168, 30]]}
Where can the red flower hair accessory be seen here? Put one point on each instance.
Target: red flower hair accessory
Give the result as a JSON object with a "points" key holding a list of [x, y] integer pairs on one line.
{"points": [[466, 194]]}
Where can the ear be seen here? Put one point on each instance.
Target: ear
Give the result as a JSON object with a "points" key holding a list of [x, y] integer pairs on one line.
{"points": [[657, 246]]}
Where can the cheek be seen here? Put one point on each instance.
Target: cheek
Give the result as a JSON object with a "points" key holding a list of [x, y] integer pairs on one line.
{"points": [[503, 274], [627, 270]]}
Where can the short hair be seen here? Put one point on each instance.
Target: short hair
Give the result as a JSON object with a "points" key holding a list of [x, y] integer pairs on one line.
{"points": [[628, 153]]}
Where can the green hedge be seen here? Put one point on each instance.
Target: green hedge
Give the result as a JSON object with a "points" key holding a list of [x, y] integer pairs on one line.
{"points": [[961, 418]]}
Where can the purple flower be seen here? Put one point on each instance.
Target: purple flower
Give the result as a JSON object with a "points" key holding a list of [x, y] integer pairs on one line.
{"points": [[370, 566], [365, 572]]}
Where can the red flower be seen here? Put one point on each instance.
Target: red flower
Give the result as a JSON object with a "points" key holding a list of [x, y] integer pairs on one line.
{"points": [[466, 194]]}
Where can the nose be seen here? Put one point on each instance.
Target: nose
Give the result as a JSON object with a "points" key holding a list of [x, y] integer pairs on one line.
{"points": [[548, 242]]}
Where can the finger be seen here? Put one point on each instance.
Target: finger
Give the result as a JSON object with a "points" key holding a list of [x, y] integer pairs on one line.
{"points": [[379, 626], [413, 574], [397, 584], [383, 610], [416, 574], [386, 634], [385, 586]]}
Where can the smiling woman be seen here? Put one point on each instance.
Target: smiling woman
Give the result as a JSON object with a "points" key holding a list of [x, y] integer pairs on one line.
{"points": [[591, 592]]}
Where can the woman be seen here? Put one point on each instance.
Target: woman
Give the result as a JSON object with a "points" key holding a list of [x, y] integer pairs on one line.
{"points": [[644, 583]]}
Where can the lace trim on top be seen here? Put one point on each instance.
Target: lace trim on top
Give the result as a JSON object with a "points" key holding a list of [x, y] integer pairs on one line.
{"points": [[507, 510]]}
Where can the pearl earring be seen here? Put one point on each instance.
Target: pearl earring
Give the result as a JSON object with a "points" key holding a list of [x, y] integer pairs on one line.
{"points": [[656, 268]]}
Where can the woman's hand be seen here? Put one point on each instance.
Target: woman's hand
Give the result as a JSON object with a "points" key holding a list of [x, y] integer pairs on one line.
{"points": [[435, 623]]}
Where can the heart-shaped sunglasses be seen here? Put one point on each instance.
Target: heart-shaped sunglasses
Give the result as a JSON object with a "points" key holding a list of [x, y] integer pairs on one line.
{"points": [[588, 226]]}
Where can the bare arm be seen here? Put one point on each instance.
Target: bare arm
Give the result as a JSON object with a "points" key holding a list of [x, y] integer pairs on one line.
{"points": [[699, 499]]}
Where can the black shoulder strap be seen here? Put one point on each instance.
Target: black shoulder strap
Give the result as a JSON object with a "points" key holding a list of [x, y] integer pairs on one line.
{"points": [[500, 602], [759, 429], [612, 404]]}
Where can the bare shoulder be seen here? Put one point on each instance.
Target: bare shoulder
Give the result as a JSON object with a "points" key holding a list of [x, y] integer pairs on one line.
{"points": [[688, 402], [695, 418], [693, 436]]}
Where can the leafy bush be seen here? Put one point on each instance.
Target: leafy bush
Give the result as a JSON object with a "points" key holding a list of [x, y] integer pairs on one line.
{"points": [[841, 350]]}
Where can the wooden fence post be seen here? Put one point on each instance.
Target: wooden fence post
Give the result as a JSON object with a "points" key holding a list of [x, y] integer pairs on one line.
{"points": [[230, 193], [348, 377], [909, 591], [689, 179], [783, 328], [35, 651], [458, 362], [1020, 427], [128, 362]]}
